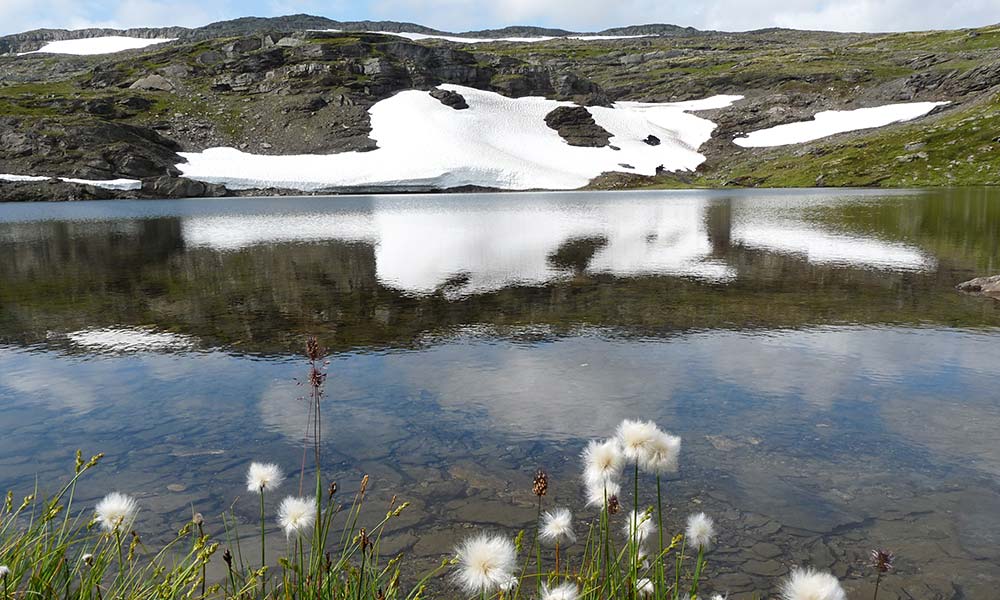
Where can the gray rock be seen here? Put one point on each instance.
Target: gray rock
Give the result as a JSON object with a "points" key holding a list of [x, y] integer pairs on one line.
{"points": [[181, 187], [577, 126], [450, 98], [986, 286], [153, 82], [289, 42]]}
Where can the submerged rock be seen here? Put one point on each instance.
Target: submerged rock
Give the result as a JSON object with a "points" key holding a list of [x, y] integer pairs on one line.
{"points": [[986, 286]]}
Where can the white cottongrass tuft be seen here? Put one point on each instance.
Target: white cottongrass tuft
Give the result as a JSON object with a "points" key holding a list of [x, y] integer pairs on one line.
{"points": [[566, 591], [700, 531], [718, 597], [510, 584], [116, 511], [598, 494], [645, 587], [557, 527], [636, 437], [602, 462], [486, 563], [263, 477], [4, 571], [807, 584], [641, 525], [661, 454], [296, 515]]}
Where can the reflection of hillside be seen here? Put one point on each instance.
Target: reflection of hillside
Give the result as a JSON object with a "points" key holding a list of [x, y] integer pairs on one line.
{"points": [[386, 276]]}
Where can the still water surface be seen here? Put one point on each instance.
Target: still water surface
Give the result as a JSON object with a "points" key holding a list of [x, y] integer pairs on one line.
{"points": [[833, 391]]}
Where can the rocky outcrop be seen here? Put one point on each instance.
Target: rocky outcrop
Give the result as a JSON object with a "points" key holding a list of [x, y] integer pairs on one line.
{"points": [[986, 286], [181, 187], [577, 126], [450, 98]]}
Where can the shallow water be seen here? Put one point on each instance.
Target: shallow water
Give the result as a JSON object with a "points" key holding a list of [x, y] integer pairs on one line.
{"points": [[834, 392]]}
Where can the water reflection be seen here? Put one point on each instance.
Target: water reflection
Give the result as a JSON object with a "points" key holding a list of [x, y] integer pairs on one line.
{"points": [[834, 391]]}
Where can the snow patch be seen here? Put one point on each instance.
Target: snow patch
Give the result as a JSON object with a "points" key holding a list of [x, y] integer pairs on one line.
{"points": [[497, 142], [832, 122], [110, 184], [98, 45]]}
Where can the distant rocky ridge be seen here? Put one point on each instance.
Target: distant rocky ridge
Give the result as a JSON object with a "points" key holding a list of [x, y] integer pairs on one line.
{"points": [[33, 40], [288, 86]]}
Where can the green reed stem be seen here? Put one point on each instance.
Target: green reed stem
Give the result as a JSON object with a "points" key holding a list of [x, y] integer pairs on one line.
{"points": [[659, 572], [263, 544]]}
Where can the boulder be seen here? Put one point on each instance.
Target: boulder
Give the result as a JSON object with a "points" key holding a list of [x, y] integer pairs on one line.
{"points": [[577, 126], [181, 187], [153, 82], [450, 98], [986, 286]]}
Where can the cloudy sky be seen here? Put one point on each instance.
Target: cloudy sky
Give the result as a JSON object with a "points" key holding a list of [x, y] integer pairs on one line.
{"points": [[459, 15]]}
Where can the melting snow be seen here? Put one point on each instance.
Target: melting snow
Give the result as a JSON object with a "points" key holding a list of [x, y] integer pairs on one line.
{"points": [[497, 142], [98, 45], [831, 122], [110, 184]]}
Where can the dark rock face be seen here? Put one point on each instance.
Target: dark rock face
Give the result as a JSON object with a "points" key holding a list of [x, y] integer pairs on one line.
{"points": [[450, 98], [577, 126], [987, 286], [181, 187]]}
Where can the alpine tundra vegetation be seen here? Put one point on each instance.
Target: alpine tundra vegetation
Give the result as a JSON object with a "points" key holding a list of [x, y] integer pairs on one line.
{"points": [[307, 104]]}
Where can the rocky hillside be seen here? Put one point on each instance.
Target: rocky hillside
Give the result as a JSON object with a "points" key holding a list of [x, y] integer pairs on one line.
{"points": [[280, 86]]}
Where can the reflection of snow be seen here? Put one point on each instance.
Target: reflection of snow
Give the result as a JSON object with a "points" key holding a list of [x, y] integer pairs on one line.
{"points": [[491, 246], [497, 142], [98, 45], [831, 122], [821, 247], [129, 339]]}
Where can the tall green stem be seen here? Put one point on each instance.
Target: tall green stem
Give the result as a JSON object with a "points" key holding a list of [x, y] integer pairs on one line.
{"points": [[659, 524], [263, 544]]}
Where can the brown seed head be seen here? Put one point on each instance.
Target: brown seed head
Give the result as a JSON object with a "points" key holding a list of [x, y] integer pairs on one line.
{"points": [[332, 490], [228, 557], [540, 487], [614, 505], [364, 485], [881, 560], [313, 350]]}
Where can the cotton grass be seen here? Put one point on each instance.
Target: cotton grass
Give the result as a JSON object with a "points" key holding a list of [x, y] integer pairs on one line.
{"points": [[485, 563], [700, 531], [566, 591], [263, 477], [116, 512], [808, 584], [556, 527], [296, 515]]}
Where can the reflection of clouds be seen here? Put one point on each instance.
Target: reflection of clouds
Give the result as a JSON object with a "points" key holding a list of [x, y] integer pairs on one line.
{"points": [[820, 247], [129, 339], [25, 380], [581, 387]]}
